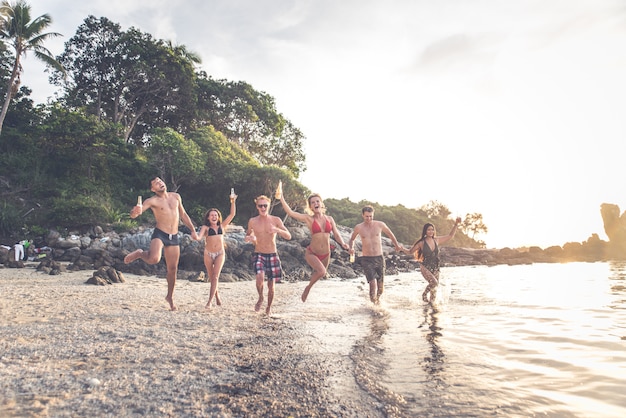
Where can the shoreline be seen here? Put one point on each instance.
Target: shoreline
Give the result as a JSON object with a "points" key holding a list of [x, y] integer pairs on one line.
{"points": [[72, 349]]}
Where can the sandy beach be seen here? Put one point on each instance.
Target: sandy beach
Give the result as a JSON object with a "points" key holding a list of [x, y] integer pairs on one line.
{"points": [[73, 349]]}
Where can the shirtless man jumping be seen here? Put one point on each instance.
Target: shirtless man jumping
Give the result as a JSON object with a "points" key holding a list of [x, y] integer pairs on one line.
{"points": [[168, 210], [262, 231], [372, 261]]}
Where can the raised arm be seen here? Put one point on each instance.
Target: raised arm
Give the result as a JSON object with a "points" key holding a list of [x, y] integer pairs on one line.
{"points": [[295, 215], [448, 237], [138, 210], [231, 215]]}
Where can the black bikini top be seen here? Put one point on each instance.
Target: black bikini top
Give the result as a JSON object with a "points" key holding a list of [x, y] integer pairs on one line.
{"points": [[219, 231]]}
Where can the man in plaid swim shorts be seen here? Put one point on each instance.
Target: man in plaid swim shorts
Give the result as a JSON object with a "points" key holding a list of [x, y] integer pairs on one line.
{"points": [[262, 231]]}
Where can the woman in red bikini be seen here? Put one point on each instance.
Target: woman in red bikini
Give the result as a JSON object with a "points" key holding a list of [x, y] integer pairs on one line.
{"points": [[317, 254], [214, 255]]}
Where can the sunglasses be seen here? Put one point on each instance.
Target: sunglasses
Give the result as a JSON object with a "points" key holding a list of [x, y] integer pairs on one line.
{"points": [[261, 206]]}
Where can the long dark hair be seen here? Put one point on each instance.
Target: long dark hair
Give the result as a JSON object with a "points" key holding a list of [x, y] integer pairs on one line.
{"points": [[219, 217], [419, 254]]}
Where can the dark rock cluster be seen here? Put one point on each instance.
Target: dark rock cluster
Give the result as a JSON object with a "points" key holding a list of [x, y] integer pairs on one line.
{"points": [[104, 252]]}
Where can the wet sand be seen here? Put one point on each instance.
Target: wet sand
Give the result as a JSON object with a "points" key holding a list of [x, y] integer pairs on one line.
{"points": [[72, 349]]}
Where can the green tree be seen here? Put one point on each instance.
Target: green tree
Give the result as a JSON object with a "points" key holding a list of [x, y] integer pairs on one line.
{"points": [[250, 119], [175, 158], [78, 143], [284, 151], [473, 223], [224, 161], [93, 61], [159, 83], [23, 35], [128, 77], [436, 210]]}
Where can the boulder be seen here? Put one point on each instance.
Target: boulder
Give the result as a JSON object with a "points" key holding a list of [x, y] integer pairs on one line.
{"points": [[106, 275]]}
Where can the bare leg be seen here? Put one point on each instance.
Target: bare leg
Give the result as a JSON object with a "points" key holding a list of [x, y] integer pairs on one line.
{"points": [[270, 296], [214, 268], [259, 288], [319, 271], [212, 293], [381, 288], [133, 256], [217, 266], [208, 265], [172, 254], [152, 256]]}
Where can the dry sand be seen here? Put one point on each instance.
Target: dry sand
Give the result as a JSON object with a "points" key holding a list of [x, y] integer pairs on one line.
{"points": [[69, 349]]}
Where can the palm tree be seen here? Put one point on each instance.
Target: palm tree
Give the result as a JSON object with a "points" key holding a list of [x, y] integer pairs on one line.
{"points": [[23, 35]]}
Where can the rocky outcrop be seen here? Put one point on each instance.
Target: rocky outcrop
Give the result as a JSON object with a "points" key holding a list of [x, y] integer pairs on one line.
{"points": [[51, 267], [104, 252], [615, 228], [7, 258], [106, 275]]}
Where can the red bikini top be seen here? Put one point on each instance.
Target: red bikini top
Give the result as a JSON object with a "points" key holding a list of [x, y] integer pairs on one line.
{"points": [[315, 228]]}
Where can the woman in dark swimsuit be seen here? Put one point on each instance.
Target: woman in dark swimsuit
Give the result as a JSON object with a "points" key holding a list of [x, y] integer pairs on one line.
{"points": [[426, 250], [317, 254], [214, 255]]}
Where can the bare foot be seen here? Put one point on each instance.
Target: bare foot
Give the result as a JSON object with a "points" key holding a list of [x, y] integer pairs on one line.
{"points": [[305, 294], [268, 311], [207, 307], [171, 302], [132, 256], [218, 301], [257, 307]]}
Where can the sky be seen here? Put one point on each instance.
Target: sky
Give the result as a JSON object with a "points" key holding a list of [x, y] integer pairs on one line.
{"points": [[514, 109]]}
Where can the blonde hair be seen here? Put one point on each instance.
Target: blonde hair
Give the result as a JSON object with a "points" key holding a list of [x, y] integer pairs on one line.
{"points": [[308, 201], [256, 200]]}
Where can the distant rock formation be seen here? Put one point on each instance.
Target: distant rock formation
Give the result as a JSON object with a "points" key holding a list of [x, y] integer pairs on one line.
{"points": [[104, 251], [615, 229]]}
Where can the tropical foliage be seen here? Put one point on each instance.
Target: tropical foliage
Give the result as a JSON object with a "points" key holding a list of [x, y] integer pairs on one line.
{"points": [[23, 36], [133, 107]]}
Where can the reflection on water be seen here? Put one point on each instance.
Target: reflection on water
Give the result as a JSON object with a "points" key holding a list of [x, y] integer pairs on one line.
{"points": [[368, 356], [434, 362], [617, 281], [511, 341]]}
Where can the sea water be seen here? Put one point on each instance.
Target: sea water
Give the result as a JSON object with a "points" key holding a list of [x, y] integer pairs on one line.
{"points": [[513, 341]]}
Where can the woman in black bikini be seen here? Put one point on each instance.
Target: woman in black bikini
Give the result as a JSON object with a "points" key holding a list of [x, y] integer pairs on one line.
{"points": [[426, 250], [317, 254], [214, 255]]}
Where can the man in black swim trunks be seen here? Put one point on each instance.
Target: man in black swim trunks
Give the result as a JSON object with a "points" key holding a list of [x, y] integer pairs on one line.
{"points": [[168, 210], [372, 261]]}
